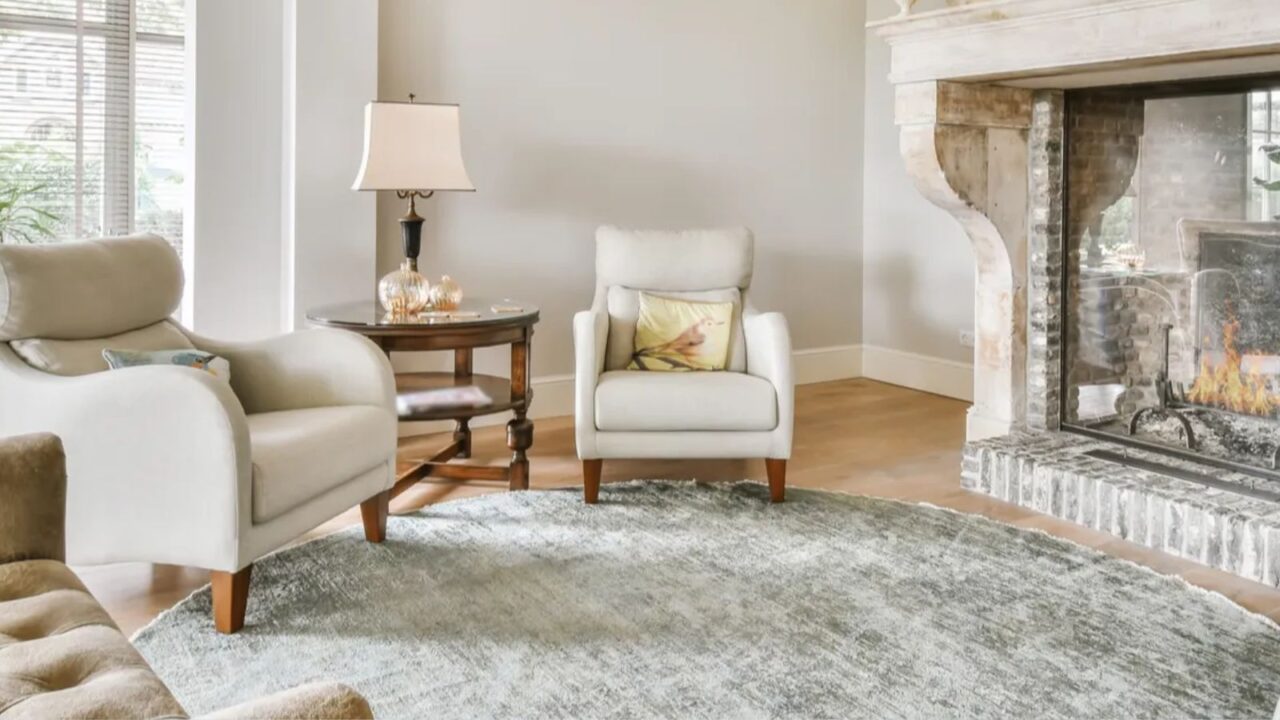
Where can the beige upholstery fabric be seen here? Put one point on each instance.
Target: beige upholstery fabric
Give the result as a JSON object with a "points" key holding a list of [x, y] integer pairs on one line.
{"points": [[311, 368], [687, 401], [33, 495], [159, 458], [624, 312], [61, 656], [90, 289], [81, 357], [307, 702], [680, 260], [301, 454]]}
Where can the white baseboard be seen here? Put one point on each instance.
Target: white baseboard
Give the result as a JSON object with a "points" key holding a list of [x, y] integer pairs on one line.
{"points": [[919, 372], [553, 394], [815, 365]]}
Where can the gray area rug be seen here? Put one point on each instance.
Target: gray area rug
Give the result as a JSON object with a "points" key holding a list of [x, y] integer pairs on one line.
{"points": [[694, 601]]}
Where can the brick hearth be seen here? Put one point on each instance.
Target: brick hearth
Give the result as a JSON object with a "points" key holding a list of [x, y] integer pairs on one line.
{"points": [[1053, 474]]}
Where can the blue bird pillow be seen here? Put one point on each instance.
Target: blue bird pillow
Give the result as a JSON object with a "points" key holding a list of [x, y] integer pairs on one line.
{"points": [[213, 364]]}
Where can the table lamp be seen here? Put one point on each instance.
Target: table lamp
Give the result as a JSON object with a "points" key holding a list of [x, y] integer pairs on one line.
{"points": [[414, 149]]}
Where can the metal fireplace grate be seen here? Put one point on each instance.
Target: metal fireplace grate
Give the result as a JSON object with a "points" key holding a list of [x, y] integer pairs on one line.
{"points": [[1203, 478]]}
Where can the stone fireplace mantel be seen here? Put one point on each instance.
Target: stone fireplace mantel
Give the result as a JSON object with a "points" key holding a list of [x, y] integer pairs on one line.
{"points": [[981, 109], [1073, 43], [979, 106]]}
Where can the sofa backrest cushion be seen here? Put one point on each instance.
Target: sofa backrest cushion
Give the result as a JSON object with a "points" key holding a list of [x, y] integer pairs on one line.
{"points": [[623, 305], [89, 289], [81, 357]]}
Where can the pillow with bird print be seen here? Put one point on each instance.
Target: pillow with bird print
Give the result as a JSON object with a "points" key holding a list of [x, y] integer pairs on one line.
{"points": [[215, 365], [681, 335]]}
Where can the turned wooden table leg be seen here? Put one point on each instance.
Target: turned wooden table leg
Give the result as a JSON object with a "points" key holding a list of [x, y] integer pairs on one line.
{"points": [[520, 429], [462, 436], [519, 439], [462, 370]]}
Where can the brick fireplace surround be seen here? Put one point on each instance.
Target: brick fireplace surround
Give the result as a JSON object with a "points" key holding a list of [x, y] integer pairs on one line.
{"points": [[979, 105]]}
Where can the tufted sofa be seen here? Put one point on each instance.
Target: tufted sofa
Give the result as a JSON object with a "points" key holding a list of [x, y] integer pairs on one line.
{"points": [[60, 654]]}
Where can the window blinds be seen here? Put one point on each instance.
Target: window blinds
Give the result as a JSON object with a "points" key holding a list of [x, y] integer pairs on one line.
{"points": [[91, 118]]}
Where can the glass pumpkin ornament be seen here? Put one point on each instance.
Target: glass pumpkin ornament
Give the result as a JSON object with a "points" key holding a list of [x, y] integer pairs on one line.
{"points": [[446, 294], [404, 292]]}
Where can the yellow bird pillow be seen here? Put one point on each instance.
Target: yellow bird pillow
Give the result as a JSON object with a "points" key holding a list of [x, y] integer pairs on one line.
{"points": [[681, 335]]}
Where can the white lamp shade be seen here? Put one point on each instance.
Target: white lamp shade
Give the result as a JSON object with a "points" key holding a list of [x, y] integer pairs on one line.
{"points": [[412, 146]]}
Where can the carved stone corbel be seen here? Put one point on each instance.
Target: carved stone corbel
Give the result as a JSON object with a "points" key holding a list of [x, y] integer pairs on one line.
{"points": [[965, 147]]}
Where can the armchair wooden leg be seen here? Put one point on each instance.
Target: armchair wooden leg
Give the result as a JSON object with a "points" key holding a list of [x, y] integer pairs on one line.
{"points": [[230, 599], [777, 470], [591, 480], [374, 514]]}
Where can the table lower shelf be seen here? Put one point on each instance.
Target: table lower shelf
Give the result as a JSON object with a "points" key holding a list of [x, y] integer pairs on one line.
{"points": [[497, 388]]}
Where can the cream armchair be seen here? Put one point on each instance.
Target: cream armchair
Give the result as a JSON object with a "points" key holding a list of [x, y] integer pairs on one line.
{"points": [[746, 412], [171, 464]]}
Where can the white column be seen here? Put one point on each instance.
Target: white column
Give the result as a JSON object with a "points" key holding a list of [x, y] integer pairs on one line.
{"points": [[232, 218], [329, 250], [276, 95]]}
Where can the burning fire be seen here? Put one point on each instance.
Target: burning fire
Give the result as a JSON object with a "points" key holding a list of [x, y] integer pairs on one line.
{"points": [[1228, 385]]}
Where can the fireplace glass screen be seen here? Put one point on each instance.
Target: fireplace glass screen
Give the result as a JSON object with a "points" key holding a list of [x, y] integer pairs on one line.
{"points": [[1172, 288]]}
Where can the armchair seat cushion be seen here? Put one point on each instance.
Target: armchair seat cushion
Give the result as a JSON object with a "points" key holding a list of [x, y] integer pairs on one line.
{"points": [[61, 656], [300, 454], [631, 401]]}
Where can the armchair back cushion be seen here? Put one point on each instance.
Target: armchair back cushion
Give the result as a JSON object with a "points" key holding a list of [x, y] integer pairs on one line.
{"points": [[81, 357], [90, 289], [658, 260], [699, 265]]}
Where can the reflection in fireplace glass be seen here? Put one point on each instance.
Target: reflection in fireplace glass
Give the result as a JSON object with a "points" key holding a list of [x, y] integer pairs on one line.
{"points": [[1172, 334]]}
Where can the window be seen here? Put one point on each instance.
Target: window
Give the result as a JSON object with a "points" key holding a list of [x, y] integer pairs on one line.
{"points": [[91, 129], [1264, 155]]}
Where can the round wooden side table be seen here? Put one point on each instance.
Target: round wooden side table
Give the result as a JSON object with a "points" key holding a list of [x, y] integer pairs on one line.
{"points": [[473, 325]]}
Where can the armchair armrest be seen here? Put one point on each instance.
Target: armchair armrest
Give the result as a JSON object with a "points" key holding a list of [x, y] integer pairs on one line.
{"points": [[157, 459], [769, 357], [332, 701], [306, 369], [33, 483], [590, 333]]}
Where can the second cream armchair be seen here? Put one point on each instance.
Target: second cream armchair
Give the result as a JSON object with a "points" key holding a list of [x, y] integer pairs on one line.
{"points": [[746, 411]]}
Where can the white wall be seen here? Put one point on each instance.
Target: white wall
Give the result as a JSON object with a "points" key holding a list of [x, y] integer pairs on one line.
{"points": [[665, 113], [653, 113], [234, 148], [331, 233], [276, 117], [918, 268]]}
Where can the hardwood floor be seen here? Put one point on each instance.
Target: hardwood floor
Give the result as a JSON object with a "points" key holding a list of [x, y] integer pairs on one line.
{"points": [[855, 436]]}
